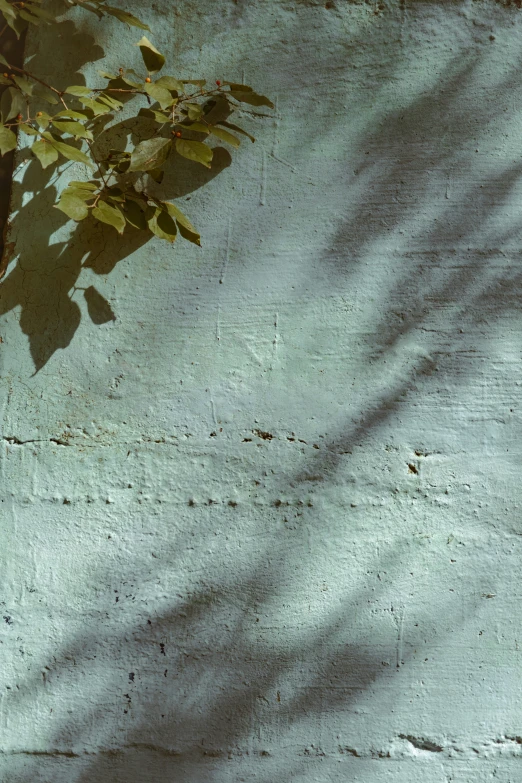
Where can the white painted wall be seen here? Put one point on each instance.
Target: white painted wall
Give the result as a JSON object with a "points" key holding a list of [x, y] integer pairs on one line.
{"points": [[185, 599]]}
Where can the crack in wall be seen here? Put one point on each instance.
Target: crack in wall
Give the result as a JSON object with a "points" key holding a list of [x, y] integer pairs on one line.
{"points": [[403, 747]]}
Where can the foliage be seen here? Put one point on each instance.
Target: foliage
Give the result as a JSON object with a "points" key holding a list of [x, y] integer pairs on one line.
{"points": [[65, 125]]}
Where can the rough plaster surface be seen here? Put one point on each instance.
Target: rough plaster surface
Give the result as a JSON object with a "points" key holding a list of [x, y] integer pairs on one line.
{"points": [[264, 523]]}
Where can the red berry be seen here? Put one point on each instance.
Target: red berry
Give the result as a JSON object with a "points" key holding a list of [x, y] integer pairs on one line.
{"points": [[218, 82], [178, 134], [147, 80], [19, 117]]}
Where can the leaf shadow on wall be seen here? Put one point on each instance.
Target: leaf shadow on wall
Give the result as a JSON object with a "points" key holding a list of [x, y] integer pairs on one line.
{"points": [[43, 283], [200, 719], [195, 719], [210, 679]]}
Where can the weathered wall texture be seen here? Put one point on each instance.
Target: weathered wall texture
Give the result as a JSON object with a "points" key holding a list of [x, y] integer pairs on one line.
{"points": [[265, 525]]}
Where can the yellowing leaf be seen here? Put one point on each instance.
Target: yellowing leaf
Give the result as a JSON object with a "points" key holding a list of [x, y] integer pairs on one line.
{"points": [[154, 60], [163, 226], [186, 229]]}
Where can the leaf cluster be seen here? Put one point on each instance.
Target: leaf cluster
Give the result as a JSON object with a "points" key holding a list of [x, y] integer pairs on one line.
{"points": [[64, 125]]}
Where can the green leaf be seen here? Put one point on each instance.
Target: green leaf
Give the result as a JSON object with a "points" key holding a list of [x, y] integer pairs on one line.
{"points": [[81, 193], [239, 87], [79, 91], [45, 153], [71, 153], [194, 111], [29, 17], [87, 6], [45, 15], [197, 82], [27, 129], [17, 24], [124, 16], [163, 225], [11, 104], [7, 9], [106, 75], [43, 119], [7, 140], [225, 136], [134, 215], [154, 61], [95, 106], [121, 83], [4, 61], [186, 229], [252, 98], [236, 128], [69, 113], [115, 194], [92, 186], [39, 91], [72, 206], [154, 115], [129, 83], [150, 154], [157, 175], [25, 85], [170, 83], [160, 94], [81, 189], [195, 150], [196, 127], [110, 215], [111, 102], [74, 128]]}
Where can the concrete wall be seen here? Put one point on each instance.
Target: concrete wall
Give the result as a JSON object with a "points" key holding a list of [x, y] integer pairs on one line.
{"points": [[261, 511]]}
